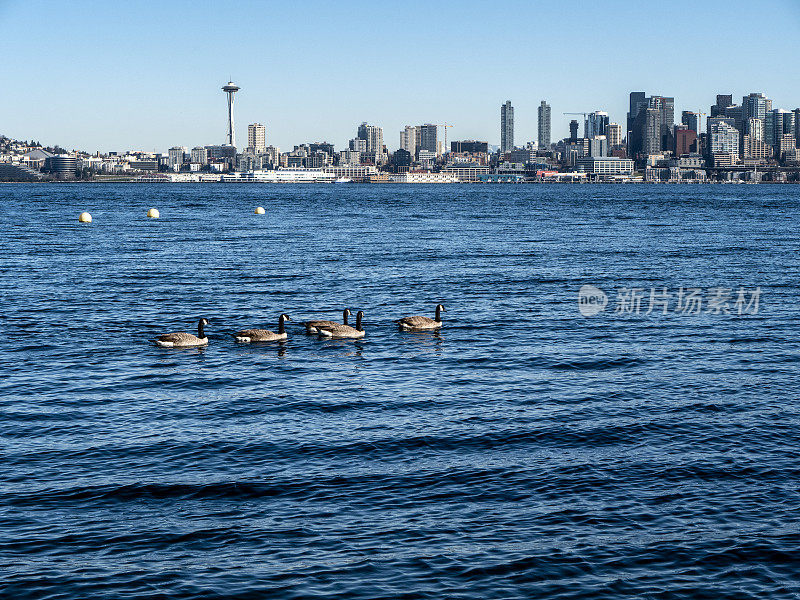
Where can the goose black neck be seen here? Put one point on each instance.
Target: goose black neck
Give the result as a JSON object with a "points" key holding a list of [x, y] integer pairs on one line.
{"points": [[438, 316], [358, 322], [200, 331], [281, 327], [345, 314]]}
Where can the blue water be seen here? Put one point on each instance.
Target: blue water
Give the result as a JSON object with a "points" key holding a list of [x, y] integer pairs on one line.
{"points": [[525, 451]]}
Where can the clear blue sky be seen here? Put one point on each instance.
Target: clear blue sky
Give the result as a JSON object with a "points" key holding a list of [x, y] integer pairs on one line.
{"points": [[146, 75]]}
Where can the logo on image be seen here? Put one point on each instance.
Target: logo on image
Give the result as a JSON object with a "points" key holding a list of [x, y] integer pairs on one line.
{"points": [[591, 300]]}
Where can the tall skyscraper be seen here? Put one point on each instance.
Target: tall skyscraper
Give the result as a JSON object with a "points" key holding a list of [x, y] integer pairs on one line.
{"points": [[410, 139], [427, 137], [796, 112], [651, 127], [595, 124], [755, 128], [614, 135], [544, 125], [230, 89], [372, 135], [685, 140], [257, 137], [598, 146], [506, 127], [756, 105], [723, 137], [778, 122], [723, 101], [638, 102], [573, 131], [691, 120]]}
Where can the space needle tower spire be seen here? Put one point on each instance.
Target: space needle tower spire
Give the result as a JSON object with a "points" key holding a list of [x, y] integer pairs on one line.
{"points": [[230, 89]]}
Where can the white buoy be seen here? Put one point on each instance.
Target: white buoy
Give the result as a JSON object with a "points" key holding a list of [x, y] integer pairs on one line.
{"points": [[260, 210], [85, 217], [153, 213]]}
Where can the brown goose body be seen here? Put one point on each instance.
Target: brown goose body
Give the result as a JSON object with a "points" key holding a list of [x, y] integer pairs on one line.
{"points": [[313, 326], [420, 323], [343, 331], [184, 340], [264, 335]]}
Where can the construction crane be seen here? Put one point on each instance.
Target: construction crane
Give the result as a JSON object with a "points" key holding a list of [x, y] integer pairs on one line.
{"points": [[585, 116], [577, 113], [445, 125]]}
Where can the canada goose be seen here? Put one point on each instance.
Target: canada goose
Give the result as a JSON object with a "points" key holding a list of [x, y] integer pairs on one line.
{"points": [[184, 340], [264, 335], [311, 326], [421, 323], [343, 331]]}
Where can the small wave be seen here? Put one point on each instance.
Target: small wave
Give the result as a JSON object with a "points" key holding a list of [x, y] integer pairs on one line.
{"points": [[596, 364]]}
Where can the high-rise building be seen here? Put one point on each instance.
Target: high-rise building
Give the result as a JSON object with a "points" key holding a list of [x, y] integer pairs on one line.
{"points": [[358, 145], [755, 148], [685, 140], [176, 157], [778, 122], [723, 101], [796, 112], [256, 137], [756, 105], [723, 137], [638, 102], [737, 113], [506, 127], [598, 146], [199, 155], [595, 124], [755, 128], [410, 139], [427, 137], [691, 120], [785, 143], [372, 135], [544, 126], [614, 135], [573, 131], [651, 128]]}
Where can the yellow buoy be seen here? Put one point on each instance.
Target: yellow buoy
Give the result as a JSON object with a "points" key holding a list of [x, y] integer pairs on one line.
{"points": [[260, 210], [153, 213], [85, 217]]}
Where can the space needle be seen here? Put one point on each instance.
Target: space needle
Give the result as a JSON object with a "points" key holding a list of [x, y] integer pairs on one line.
{"points": [[230, 89]]}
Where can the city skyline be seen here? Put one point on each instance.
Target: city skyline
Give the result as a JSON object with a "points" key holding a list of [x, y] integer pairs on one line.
{"points": [[155, 82]]}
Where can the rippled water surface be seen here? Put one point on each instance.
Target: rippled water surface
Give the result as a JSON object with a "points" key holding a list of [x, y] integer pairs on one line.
{"points": [[525, 451]]}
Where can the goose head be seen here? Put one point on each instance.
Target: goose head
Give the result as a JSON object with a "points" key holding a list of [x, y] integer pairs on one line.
{"points": [[439, 310], [281, 320], [345, 314]]}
